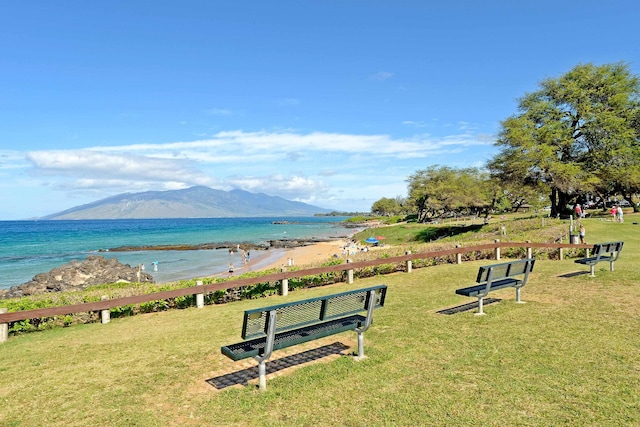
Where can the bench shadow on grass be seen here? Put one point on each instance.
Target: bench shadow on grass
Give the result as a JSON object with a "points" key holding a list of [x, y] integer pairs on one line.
{"points": [[244, 376], [467, 307], [574, 274]]}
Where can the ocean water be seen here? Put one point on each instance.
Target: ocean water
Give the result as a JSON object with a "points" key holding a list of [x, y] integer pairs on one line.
{"points": [[28, 248]]}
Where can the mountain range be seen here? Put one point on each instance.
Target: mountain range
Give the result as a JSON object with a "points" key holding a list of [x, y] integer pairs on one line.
{"points": [[193, 202]]}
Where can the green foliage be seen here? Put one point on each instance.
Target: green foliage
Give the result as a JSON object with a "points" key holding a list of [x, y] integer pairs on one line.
{"points": [[122, 311], [441, 191], [575, 135]]}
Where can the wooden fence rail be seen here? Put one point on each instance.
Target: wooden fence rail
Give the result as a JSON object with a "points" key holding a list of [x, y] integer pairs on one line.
{"points": [[282, 276]]}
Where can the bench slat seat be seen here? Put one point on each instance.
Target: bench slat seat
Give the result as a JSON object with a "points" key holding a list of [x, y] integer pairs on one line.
{"points": [[474, 291], [254, 347], [593, 260]]}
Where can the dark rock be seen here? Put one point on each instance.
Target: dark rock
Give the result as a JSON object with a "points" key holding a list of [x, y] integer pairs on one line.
{"points": [[78, 275]]}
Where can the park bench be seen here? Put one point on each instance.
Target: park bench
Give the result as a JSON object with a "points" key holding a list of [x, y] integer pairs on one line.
{"points": [[284, 325], [609, 251], [499, 276]]}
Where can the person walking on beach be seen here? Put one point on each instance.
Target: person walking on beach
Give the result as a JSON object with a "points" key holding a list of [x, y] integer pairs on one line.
{"points": [[230, 269]]}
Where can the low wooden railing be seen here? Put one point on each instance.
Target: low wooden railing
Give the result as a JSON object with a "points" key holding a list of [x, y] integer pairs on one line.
{"points": [[283, 277]]}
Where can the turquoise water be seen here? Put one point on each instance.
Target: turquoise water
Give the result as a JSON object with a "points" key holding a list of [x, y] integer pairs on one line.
{"points": [[31, 247]]}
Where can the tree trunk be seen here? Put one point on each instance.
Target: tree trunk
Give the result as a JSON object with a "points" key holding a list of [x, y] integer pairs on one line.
{"points": [[552, 199], [563, 200]]}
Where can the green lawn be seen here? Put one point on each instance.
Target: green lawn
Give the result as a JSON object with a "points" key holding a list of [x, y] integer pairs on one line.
{"points": [[569, 356]]}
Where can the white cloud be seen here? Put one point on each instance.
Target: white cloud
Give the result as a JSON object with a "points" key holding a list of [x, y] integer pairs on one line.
{"points": [[287, 102], [381, 76], [417, 124], [327, 168], [218, 112]]}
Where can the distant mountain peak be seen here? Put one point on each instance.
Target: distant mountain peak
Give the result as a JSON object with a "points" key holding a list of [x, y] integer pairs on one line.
{"points": [[192, 202]]}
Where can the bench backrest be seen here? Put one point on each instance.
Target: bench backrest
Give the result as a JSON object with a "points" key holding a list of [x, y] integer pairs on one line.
{"points": [[603, 249], [504, 270], [308, 312]]}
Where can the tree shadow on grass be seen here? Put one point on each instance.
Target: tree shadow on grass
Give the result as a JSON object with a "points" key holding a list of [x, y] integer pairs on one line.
{"points": [[430, 234]]}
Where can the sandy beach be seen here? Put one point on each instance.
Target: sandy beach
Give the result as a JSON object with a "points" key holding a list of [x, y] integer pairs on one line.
{"points": [[305, 255], [299, 256]]}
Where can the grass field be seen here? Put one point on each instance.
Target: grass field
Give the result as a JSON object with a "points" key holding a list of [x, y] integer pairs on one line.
{"points": [[570, 356]]}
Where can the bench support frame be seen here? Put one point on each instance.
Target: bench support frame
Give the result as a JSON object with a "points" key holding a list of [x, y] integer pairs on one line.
{"points": [[498, 276], [609, 251], [361, 330], [268, 349]]}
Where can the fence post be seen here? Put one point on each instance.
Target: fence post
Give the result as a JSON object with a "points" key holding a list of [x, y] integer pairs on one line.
{"points": [[497, 250], [284, 285], [409, 263], [458, 255], [105, 315], [349, 273], [4, 328], [200, 296], [529, 250]]}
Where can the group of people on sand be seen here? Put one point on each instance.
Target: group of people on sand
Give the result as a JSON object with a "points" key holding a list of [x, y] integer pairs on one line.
{"points": [[246, 257]]}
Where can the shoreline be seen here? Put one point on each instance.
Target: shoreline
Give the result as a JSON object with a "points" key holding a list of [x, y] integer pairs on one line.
{"points": [[298, 255]]}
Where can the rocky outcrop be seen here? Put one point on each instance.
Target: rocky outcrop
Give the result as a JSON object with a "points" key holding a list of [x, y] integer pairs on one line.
{"points": [[77, 275]]}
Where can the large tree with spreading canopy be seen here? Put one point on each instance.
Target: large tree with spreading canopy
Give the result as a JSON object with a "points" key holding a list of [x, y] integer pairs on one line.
{"points": [[577, 134], [445, 191]]}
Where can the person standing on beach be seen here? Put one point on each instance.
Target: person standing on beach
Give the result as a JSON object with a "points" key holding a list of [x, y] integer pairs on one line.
{"points": [[230, 269]]}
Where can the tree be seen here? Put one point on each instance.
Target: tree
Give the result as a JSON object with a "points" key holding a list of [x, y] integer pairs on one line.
{"points": [[444, 191], [386, 206], [577, 134]]}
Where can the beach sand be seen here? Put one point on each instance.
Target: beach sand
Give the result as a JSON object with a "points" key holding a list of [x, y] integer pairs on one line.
{"points": [[305, 255], [278, 258]]}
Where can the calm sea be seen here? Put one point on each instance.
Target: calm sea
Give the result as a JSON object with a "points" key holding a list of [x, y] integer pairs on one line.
{"points": [[31, 247]]}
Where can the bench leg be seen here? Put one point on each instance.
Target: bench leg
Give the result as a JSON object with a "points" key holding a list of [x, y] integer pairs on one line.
{"points": [[611, 266], [480, 305], [518, 301], [262, 374], [592, 269], [360, 345], [371, 303], [268, 348]]}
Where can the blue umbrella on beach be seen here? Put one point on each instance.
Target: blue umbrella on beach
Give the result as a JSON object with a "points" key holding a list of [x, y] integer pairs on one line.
{"points": [[372, 240]]}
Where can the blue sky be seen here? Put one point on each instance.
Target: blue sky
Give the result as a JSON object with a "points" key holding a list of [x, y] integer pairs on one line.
{"points": [[332, 103]]}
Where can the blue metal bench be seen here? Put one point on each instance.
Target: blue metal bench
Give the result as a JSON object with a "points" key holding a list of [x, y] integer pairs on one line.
{"points": [[498, 276], [609, 251], [284, 325]]}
